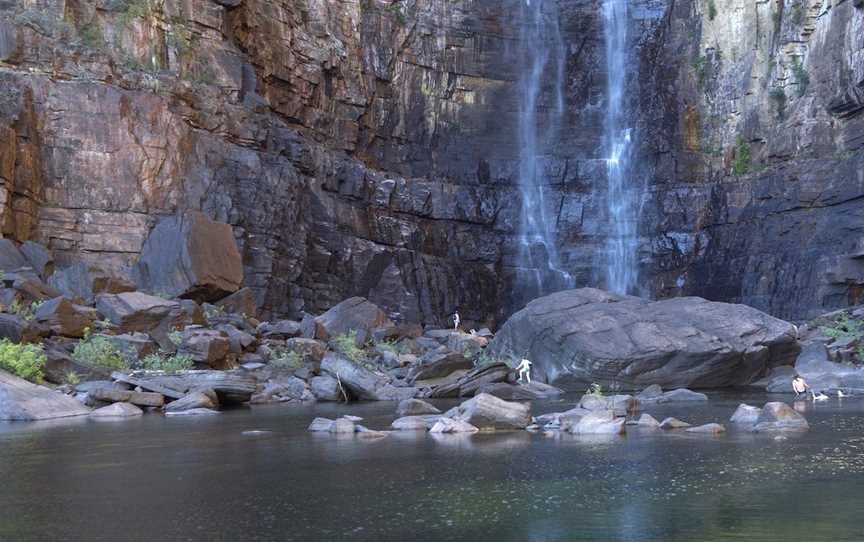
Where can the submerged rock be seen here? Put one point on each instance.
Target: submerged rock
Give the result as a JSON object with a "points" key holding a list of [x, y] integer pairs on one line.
{"points": [[415, 423], [117, 410], [709, 428], [745, 414], [647, 420], [579, 337], [673, 423], [320, 425], [414, 407], [192, 412], [448, 425], [598, 422], [777, 416]]}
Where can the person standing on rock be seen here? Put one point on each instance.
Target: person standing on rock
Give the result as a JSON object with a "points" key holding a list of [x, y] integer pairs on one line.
{"points": [[524, 369], [456, 321], [799, 386]]}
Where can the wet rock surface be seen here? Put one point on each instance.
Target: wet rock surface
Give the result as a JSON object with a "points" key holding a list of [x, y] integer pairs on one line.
{"points": [[591, 336]]}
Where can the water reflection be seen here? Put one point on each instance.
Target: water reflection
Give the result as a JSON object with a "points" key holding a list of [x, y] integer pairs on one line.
{"points": [[204, 479]]}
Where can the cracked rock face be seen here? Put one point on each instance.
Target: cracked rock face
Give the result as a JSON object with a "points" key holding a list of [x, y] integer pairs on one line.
{"points": [[369, 148]]}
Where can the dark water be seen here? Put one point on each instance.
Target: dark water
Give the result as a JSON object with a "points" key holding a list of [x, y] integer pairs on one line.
{"points": [[202, 479]]}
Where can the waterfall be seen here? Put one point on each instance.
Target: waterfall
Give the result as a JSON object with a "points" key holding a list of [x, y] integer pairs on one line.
{"points": [[541, 108], [621, 246]]}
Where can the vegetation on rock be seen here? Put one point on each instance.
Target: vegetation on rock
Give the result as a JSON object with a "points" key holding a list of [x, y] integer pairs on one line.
{"points": [[97, 351], [167, 363], [23, 360], [282, 358], [741, 159]]}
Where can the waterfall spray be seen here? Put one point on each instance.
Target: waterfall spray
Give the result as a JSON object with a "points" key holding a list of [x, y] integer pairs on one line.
{"points": [[542, 58], [621, 267]]}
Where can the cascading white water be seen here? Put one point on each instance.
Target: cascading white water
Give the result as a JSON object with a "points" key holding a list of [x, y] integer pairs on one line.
{"points": [[542, 70], [621, 266]]}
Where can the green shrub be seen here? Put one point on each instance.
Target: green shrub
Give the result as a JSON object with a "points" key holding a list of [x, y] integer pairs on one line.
{"points": [[741, 160], [712, 10], [594, 390], [346, 344], [176, 337], [71, 378], [97, 351], [801, 76], [843, 328], [167, 363], [282, 358], [23, 360], [25, 311]]}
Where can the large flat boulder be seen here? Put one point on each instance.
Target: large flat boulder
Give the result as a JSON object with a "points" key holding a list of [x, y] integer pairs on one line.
{"points": [[22, 401], [190, 256], [230, 386], [487, 412], [579, 337], [777, 416], [468, 384], [363, 383], [354, 314]]}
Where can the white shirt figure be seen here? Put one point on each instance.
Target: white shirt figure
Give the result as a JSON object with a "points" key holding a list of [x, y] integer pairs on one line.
{"points": [[524, 369], [799, 385], [456, 321]]}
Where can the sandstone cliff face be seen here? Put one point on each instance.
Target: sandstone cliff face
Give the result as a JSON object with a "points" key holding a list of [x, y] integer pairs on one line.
{"points": [[367, 147], [782, 82]]}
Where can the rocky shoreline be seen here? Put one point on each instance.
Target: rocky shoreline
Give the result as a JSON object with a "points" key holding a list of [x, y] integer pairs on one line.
{"points": [[104, 341]]}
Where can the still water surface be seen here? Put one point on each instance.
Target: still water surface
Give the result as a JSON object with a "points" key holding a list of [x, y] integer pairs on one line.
{"points": [[202, 479]]}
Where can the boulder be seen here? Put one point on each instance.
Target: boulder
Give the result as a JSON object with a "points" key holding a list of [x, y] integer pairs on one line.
{"points": [[32, 289], [620, 404], [414, 423], [38, 258], [415, 407], [235, 386], [279, 330], [649, 394], [115, 395], [11, 257], [188, 255], [59, 364], [673, 423], [133, 345], [487, 412], [598, 422], [521, 392], [579, 337], [681, 395], [777, 416], [439, 365], [363, 383], [647, 420], [83, 281], [117, 410], [13, 327], [310, 350], [326, 388], [708, 428], [240, 302], [467, 385], [353, 314], [196, 399], [65, 318], [321, 425], [745, 414], [343, 425], [239, 341], [448, 425], [136, 311], [283, 390], [562, 420], [466, 343], [23, 401], [205, 346]]}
